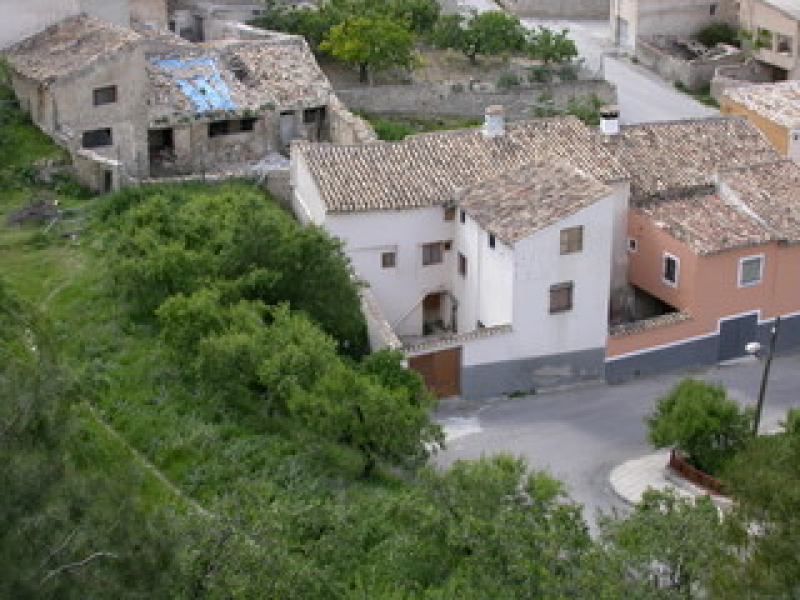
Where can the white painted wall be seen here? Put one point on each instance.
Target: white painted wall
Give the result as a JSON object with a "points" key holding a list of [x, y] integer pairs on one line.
{"points": [[485, 293], [794, 145], [538, 264], [399, 290], [307, 203]]}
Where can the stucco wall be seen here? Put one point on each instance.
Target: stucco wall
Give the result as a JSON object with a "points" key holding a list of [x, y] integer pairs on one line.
{"points": [[694, 74], [446, 99], [399, 290], [558, 9], [754, 15], [775, 133]]}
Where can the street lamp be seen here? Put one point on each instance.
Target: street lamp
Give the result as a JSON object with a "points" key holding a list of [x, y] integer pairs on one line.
{"points": [[753, 348]]}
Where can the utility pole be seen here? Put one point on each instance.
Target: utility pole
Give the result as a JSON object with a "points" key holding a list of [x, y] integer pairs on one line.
{"points": [[765, 376]]}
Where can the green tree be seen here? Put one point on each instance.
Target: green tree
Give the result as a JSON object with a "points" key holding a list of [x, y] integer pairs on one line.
{"points": [[763, 479], [488, 34], [550, 46], [373, 411], [421, 15], [668, 541], [373, 43], [699, 419]]}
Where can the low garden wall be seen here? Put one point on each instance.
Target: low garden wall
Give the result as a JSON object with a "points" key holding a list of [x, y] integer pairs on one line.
{"points": [[695, 74], [457, 99]]}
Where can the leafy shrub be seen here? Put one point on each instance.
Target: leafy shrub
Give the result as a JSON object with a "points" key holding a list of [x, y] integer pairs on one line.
{"points": [[699, 419], [507, 80], [540, 74], [717, 33]]}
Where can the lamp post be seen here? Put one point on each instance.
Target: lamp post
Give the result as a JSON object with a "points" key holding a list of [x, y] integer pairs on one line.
{"points": [[753, 348]]}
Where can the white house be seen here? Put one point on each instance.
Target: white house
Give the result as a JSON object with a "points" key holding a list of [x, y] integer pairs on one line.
{"points": [[494, 254]]}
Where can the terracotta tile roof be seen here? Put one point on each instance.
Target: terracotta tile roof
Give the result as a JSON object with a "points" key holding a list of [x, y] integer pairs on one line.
{"points": [[67, 47], [280, 73], [778, 102], [530, 198], [668, 157], [426, 169], [772, 191], [705, 222], [753, 205]]}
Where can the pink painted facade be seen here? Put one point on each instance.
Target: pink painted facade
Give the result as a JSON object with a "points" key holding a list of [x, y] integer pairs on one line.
{"points": [[707, 289]]}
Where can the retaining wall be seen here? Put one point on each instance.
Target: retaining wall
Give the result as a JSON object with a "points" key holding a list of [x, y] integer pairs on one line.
{"points": [[453, 99]]}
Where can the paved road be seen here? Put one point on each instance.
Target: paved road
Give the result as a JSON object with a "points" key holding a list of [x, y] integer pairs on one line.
{"points": [[642, 96], [579, 435]]}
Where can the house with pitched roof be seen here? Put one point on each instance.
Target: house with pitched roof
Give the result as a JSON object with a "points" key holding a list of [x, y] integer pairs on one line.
{"points": [[712, 236], [776, 26], [490, 252], [535, 253], [137, 104], [774, 108]]}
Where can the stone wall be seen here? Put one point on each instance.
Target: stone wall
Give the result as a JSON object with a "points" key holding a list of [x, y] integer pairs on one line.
{"points": [[558, 9], [346, 128], [695, 74], [733, 76], [450, 99]]}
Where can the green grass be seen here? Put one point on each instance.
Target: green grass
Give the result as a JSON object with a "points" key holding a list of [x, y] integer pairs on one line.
{"points": [[395, 128], [702, 95]]}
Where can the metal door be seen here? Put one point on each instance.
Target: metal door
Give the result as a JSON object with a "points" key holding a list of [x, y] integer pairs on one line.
{"points": [[735, 334]]}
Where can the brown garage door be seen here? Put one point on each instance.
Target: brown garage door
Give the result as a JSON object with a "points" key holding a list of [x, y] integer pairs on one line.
{"points": [[440, 370]]}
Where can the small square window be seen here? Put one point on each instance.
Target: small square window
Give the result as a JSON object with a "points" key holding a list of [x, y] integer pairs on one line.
{"points": [[670, 270], [432, 253], [462, 216], [492, 241], [561, 297], [572, 239], [388, 260], [462, 265], [449, 213], [751, 270], [104, 95], [97, 138]]}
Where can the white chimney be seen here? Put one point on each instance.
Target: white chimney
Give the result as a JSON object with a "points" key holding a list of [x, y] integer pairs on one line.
{"points": [[609, 119], [494, 125]]}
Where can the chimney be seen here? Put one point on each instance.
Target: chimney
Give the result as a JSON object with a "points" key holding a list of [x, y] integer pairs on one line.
{"points": [[494, 124], [609, 119]]}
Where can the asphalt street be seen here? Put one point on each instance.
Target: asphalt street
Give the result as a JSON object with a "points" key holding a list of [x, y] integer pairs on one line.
{"points": [[578, 435]]}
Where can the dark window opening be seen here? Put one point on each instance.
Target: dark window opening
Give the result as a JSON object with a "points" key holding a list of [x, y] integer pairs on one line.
{"points": [[462, 265], [561, 297], [108, 181], [314, 115], [97, 138], [219, 128], [104, 95], [449, 213], [572, 239], [432, 253], [388, 260], [713, 10], [492, 241], [670, 270], [463, 216]]}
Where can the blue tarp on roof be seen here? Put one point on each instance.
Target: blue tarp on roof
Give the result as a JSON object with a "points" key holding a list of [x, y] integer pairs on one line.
{"points": [[201, 81]]}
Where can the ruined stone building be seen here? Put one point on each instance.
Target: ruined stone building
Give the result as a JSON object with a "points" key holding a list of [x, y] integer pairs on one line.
{"points": [[132, 104]]}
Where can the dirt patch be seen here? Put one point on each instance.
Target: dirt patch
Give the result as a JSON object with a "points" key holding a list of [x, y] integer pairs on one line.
{"points": [[435, 66]]}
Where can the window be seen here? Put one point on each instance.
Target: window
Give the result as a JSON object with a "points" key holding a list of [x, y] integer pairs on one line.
{"points": [[561, 297], [633, 245], [388, 260], [670, 270], [219, 128], [712, 10], [104, 95], [572, 239], [462, 265], [492, 240], [449, 213], [314, 115], [240, 73], [97, 138], [432, 253], [751, 270], [462, 216], [783, 44]]}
